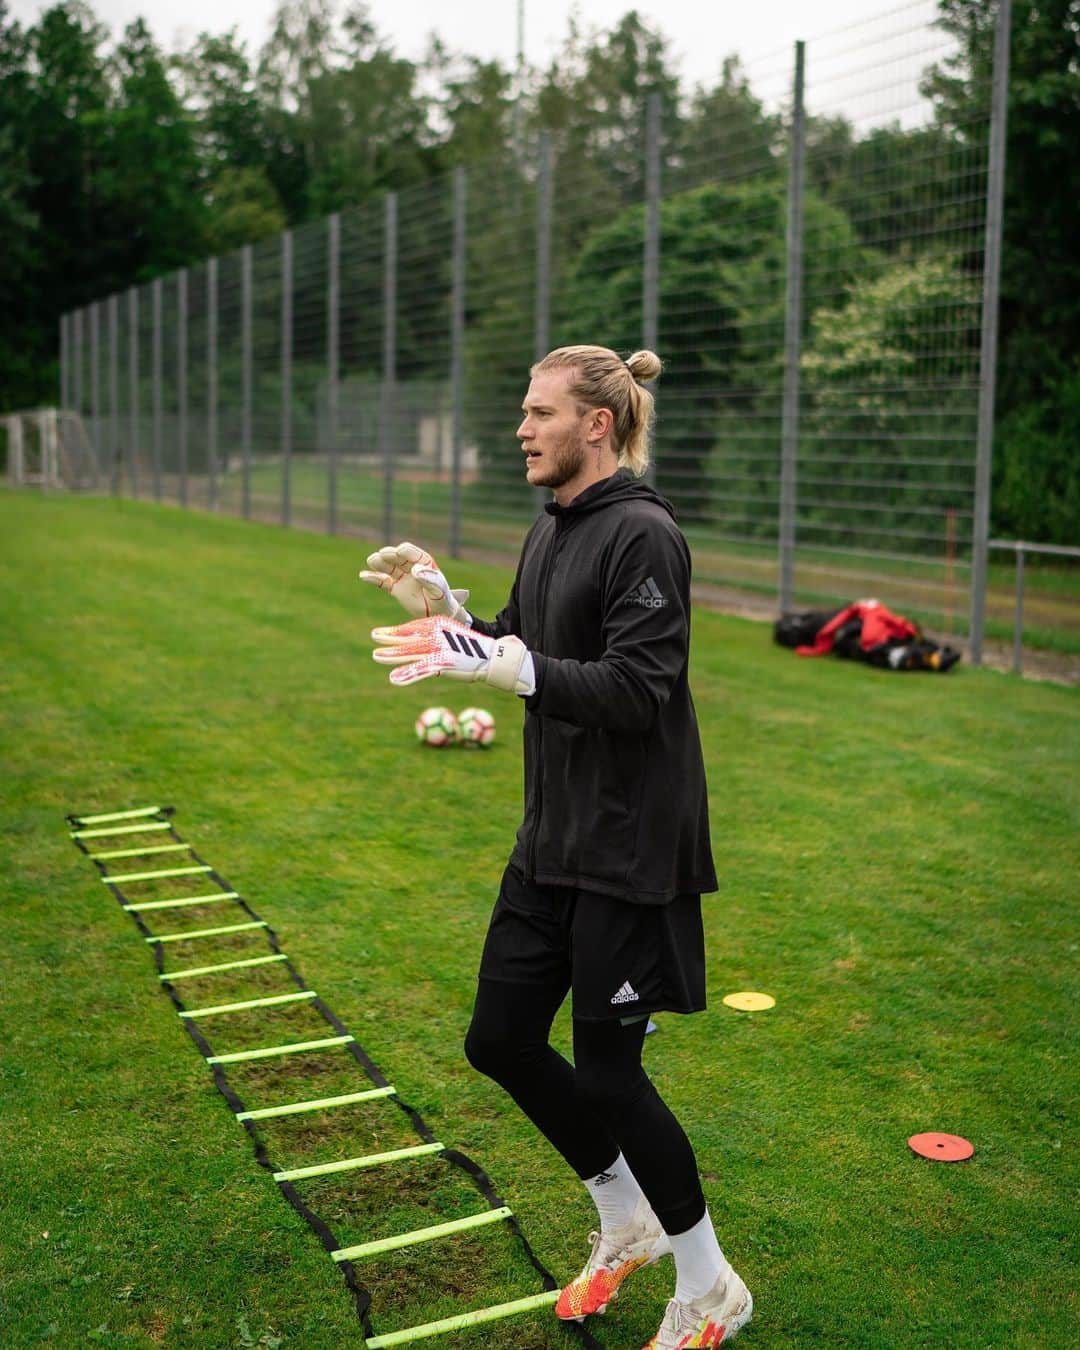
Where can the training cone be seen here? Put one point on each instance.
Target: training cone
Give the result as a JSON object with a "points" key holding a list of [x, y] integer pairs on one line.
{"points": [[747, 1001], [941, 1147]]}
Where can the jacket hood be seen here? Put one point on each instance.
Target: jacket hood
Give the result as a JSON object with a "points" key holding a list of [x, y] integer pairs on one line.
{"points": [[622, 486]]}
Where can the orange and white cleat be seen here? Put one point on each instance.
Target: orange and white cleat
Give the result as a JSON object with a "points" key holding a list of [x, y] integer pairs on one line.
{"points": [[615, 1255], [705, 1322]]}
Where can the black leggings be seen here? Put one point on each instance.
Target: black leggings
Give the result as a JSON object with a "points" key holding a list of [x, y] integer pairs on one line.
{"points": [[592, 1110]]}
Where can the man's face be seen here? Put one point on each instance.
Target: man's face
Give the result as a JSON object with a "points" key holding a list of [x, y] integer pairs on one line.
{"points": [[552, 433]]}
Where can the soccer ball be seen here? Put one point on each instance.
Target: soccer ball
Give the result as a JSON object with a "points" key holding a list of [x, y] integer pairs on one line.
{"points": [[437, 726], [476, 726]]}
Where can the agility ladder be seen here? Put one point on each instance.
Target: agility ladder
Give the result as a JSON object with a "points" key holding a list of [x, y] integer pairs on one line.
{"points": [[113, 825]]}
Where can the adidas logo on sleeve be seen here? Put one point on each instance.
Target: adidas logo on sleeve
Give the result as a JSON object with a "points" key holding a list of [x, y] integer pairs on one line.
{"points": [[626, 994], [648, 595]]}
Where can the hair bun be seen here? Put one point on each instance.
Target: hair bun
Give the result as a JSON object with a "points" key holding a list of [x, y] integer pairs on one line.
{"points": [[644, 366]]}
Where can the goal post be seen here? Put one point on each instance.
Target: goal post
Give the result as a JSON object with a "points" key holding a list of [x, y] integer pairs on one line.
{"points": [[50, 449]]}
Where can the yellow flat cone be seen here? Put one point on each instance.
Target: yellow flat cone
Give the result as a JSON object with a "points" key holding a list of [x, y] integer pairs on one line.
{"points": [[746, 1001]]}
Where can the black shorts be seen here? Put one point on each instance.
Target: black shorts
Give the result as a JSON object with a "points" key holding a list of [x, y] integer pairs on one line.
{"points": [[620, 959]]}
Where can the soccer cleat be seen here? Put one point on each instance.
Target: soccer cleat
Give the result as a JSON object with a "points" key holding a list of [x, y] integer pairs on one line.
{"points": [[615, 1255], [705, 1322]]}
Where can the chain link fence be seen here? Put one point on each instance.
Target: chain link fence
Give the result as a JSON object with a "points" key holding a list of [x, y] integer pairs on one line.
{"points": [[805, 246]]}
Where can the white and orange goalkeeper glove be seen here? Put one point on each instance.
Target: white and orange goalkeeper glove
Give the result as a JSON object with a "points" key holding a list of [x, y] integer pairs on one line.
{"points": [[442, 646], [414, 579]]}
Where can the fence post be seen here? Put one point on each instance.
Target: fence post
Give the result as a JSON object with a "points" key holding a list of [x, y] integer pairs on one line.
{"points": [[133, 387], [78, 358], [212, 381], [542, 313], [333, 359], [156, 379], [984, 436], [77, 341], [789, 437], [16, 462], [1018, 621], [650, 300], [245, 378], [286, 376], [182, 380], [65, 360], [386, 429], [115, 452], [457, 357], [95, 380]]}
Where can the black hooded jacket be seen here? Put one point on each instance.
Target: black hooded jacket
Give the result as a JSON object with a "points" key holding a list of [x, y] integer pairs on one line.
{"points": [[615, 797]]}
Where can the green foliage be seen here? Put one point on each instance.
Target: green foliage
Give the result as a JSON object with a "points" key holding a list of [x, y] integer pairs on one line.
{"points": [[18, 223], [148, 173], [244, 208], [119, 162], [344, 115], [889, 334], [723, 131], [595, 98], [721, 309], [888, 377], [476, 106], [220, 89], [1040, 283], [1037, 468]]}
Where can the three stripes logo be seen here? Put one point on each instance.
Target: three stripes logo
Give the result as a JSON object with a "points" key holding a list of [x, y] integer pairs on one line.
{"points": [[648, 595], [627, 993], [467, 646]]}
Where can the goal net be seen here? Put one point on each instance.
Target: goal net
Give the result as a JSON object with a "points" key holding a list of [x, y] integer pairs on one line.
{"points": [[49, 448]]}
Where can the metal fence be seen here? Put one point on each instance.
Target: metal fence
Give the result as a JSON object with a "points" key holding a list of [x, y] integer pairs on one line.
{"points": [[810, 251]]}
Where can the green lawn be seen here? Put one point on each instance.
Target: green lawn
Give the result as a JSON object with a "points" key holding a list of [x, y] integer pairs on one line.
{"points": [[899, 866], [495, 516]]}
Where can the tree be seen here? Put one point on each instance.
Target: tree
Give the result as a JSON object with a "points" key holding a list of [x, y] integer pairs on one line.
{"points": [[888, 411], [343, 115], [66, 93], [148, 177], [1040, 281], [476, 108], [1037, 468], [220, 93], [721, 319], [24, 367], [242, 208], [594, 100], [725, 134]]}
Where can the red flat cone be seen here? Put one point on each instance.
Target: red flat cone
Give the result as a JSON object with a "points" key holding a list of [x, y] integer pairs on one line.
{"points": [[941, 1147]]}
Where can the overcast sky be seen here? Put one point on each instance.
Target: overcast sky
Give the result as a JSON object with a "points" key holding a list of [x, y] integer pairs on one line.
{"points": [[701, 33]]}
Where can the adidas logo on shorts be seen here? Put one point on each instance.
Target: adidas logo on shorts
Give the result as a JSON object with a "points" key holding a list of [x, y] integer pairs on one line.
{"points": [[648, 595], [626, 994]]}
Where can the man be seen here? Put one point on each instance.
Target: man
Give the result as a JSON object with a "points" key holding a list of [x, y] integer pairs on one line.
{"points": [[602, 894]]}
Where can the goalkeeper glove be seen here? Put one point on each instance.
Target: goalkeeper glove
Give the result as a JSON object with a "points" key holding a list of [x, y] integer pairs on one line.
{"points": [[413, 578], [441, 646]]}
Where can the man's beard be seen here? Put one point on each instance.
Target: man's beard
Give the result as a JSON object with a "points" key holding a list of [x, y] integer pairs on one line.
{"points": [[564, 461]]}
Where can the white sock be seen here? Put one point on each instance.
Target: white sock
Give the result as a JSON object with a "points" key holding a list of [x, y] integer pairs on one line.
{"points": [[615, 1194], [699, 1262]]}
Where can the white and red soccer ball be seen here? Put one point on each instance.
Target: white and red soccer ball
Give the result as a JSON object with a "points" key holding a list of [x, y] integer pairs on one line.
{"points": [[476, 727], [472, 727], [437, 727]]}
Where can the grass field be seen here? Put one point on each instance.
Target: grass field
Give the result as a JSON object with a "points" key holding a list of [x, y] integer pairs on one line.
{"points": [[899, 867], [928, 590]]}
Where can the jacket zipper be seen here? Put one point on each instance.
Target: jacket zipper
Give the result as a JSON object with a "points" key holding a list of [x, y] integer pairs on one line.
{"points": [[549, 561]]}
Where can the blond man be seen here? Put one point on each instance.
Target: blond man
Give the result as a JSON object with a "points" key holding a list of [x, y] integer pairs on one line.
{"points": [[601, 897]]}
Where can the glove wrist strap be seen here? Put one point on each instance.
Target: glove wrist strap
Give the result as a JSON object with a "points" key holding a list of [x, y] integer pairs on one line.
{"points": [[507, 655]]}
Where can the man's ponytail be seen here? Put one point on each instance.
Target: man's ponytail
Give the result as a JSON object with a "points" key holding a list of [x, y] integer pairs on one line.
{"points": [[604, 380]]}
